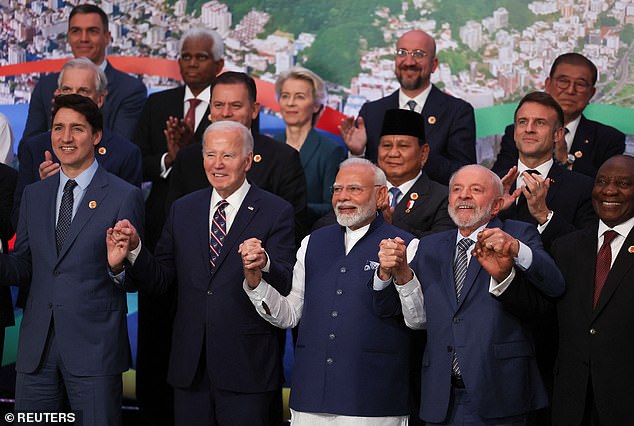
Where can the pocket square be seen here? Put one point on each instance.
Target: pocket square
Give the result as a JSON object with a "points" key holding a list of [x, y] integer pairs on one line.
{"points": [[371, 266]]}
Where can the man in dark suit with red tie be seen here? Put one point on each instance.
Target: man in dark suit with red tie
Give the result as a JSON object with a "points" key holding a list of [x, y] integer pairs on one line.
{"points": [[594, 368], [225, 363]]}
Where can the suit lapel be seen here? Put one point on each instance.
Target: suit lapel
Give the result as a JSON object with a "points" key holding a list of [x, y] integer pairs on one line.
{"points": [[582, 137], [585, 271], [432, 110], [554, 174], [49, 198], [309, 148], [204, 123], [622, 270], [448, 245], [248, 210], [421, 189], [88, 205]]}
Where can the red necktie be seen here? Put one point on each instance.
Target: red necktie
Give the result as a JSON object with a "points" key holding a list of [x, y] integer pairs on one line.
{"points": [[190, 117], [604, 259]]}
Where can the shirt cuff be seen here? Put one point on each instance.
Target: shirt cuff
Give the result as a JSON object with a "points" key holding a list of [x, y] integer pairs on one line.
{"points": [[164, 170], [379, 284], [496, 288], [541, 228], [134, 254], [524, 258]]}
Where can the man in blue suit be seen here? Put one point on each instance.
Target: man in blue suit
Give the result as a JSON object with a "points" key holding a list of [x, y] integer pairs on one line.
{"points": [[449, 121], [116, 154], [225, 362], [479, 363], [88, 36], [73, 337]]}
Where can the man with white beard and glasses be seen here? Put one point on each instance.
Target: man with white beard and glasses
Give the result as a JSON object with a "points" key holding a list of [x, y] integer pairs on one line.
{"points": [[479, 363], [343, 348]]}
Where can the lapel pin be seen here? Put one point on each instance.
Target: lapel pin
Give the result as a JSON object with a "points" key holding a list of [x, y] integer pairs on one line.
{"points": [[209, 117], [92, 204], [410, 204], [257, 158], [586, 141], [414, 196], [431, 119], [250, 208], [630, 249], [578, 154], [102, 150]]}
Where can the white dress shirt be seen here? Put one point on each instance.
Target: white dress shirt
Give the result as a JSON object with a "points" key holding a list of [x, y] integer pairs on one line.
{"points": [[623, 229], [420, 99]]}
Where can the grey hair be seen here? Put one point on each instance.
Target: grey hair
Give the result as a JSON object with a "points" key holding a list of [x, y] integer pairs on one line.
{"points": [[101, 81], [218, 46], [379, 176], [301, 73], [496, 182], [245, 134]]}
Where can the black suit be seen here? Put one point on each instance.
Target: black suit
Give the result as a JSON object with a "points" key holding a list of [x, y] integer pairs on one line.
{"points": [[276, 168], [449, 131], [594, 141], [569, 197], [8, 181], [156, 312], [594, 344]]}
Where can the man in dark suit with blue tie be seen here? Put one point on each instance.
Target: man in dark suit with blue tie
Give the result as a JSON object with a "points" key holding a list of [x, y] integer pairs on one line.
{"points": [[225, 363], [88, 36], [587, 143], [73, 338], [449, 121], [479, 363]]}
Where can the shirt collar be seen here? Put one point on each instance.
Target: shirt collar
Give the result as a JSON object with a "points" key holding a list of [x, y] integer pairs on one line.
{"points": [[405, 187], [543, 168], [83, 179], [622, 228], [235, 199], [420, 99], [473, 236], [103, 65], [204, 96]]}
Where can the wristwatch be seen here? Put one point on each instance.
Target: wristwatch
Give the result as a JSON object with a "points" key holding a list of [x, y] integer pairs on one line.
{"points": [[569, 162]]}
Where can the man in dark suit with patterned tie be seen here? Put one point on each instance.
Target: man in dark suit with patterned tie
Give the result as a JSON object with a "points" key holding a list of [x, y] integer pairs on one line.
{"points": [[170, 120], [225, 363], [594, 368], [449, 121], [586, 144]]}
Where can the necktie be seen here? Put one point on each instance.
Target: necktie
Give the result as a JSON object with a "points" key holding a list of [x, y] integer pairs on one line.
{"points": [[460, 264], [411, 104], [523, 213], [218, 232], [65, 214], [395, 194], [190, 117], [460, 272], [604, 260]]}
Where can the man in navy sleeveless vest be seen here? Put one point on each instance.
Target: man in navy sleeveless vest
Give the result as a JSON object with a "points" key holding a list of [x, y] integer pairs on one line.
{"points": [[350, 364]]}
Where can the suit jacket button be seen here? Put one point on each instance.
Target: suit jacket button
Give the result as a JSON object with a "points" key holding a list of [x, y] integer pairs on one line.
{"points": [[209, 292], [343, 270], [339, 292], [593, 331], [334, 314], [330, 361]]}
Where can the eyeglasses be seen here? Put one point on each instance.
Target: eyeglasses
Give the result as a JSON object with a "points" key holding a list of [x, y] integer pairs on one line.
{"points": [[580, 86], [417, 54], [350, 189]]}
